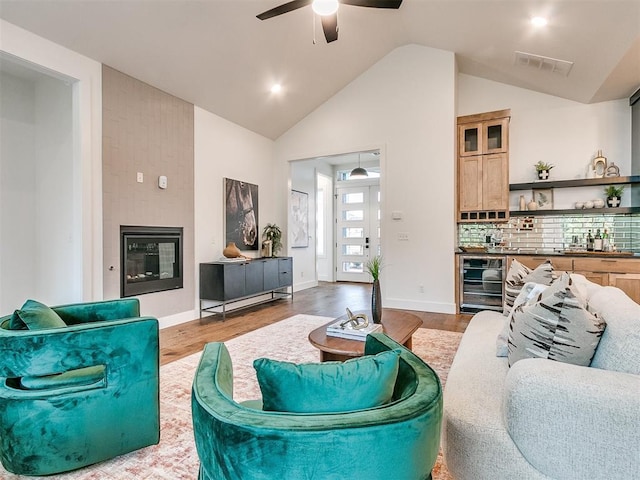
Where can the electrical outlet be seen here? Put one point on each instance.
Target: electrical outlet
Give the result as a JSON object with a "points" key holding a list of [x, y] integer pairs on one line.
{"points": [[403, 236], [421, 288], [301, 274], [140, 177]]}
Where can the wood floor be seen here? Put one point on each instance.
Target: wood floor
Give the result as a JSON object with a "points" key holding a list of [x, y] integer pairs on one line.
{"points": [[328, 300]]}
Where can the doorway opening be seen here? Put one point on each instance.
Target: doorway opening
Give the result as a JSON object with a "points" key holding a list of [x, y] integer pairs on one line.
{"points": [[347, 231]]}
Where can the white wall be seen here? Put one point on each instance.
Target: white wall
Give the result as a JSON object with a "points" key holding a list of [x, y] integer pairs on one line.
{"points": [[324, 263], [86, 142], [404, 105], [55, 251], [17, 187], [565, 133], [36, 191], [225, 150]]}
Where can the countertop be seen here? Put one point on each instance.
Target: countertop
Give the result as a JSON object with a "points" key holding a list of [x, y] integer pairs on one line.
{"points": [[547, 253]]}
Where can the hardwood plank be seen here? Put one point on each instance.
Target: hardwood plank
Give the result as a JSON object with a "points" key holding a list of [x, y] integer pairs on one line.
{"points": [[328, 300]]}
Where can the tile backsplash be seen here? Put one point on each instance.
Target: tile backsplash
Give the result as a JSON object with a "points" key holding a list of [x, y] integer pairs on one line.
{"points": [[554, 232]]}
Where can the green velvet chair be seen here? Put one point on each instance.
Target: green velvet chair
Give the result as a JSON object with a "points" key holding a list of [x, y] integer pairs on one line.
{"points": [[399, 440], [79, 394]]}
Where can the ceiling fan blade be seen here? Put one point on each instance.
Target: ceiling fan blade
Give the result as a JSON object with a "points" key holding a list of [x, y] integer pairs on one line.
{"points": [[284, 8], [330, 27], [373, 3]]}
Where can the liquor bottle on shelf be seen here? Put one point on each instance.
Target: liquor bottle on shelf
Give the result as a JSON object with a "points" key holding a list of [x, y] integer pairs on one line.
{"points": [[589, 242], [606, 244], [597, 242]]}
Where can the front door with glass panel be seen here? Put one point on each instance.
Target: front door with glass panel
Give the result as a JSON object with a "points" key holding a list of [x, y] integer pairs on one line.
{"points": [[358, 231]]}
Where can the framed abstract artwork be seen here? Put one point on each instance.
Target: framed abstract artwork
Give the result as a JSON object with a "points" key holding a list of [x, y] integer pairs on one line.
{"points": [[299, 234], [241, 214], [544, 198]]}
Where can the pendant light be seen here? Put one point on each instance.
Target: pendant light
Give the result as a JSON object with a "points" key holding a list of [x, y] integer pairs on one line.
{"points": [[358, 172]]}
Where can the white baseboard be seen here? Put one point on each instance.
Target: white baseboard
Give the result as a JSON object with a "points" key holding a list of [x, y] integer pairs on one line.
{"points": [[303, 286], [420, 306], [178, 318]]}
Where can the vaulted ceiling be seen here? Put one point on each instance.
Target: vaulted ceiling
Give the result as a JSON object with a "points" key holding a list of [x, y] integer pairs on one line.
{"points": [[219, 56]]}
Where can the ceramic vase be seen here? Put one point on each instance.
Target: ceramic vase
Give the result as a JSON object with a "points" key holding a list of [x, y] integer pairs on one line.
{"points": [[543, 174], [376, 302], [523, 203], [231, 251], [613, 202]]}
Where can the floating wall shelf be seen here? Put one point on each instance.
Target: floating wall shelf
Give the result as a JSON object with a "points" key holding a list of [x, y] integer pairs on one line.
{"points": [[575, 211], [587, 182]]}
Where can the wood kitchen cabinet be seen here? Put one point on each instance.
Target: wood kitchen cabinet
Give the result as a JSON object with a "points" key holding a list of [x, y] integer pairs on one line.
{"points": [[483, 167], [560, 263], [623, 273], [629, 283]]}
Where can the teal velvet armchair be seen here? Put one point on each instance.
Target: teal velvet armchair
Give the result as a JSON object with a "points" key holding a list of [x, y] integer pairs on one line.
{"points": [[79, 394], [398, 440]]}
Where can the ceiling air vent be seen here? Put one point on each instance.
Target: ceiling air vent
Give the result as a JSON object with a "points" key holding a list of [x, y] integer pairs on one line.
{"points": [[545, 64]]}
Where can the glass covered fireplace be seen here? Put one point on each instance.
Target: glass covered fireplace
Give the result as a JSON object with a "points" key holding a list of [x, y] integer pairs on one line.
{"points": [[151, 259]]}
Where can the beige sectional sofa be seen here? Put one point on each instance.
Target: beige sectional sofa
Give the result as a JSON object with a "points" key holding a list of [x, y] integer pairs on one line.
{"points": [[543, 419]]}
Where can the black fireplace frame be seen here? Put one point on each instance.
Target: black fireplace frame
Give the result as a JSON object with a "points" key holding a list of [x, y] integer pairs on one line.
{"points": [[150, 234]]}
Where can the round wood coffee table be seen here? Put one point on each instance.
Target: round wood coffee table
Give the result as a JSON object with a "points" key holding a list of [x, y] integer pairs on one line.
{"points": [[396, 324]]}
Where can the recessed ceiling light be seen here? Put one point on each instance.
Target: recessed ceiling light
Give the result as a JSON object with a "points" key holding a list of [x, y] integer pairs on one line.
{"points": [[276, 88], [538, 21]]}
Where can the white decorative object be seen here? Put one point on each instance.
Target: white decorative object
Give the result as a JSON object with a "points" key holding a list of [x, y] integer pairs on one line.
{"points": [[599, 165], [344, 329], [612, 170]]}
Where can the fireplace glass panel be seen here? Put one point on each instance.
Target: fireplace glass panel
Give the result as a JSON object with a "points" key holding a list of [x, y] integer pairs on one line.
{"points": [[151, 260]]}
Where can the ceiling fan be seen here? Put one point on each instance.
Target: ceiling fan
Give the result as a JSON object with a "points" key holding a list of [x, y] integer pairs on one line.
{"points": [[328, 11]]}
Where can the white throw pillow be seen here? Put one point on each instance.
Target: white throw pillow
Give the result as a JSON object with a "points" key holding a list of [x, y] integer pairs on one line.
{"points": [[520, 274]]}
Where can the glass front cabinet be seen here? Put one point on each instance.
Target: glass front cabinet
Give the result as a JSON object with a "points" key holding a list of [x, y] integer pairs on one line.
{"points": [[483, 167]]}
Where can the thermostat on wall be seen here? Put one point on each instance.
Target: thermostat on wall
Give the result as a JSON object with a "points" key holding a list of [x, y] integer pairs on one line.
{"points": [[162, 181]]}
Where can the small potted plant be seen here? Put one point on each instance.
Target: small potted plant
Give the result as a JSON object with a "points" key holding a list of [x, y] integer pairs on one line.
{"points": [[272, 234], [543, 169], [614, 195], [373, 267]]}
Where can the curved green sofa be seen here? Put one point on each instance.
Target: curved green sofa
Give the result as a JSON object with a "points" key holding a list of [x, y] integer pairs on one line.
{"points": [[399, 440], [60, 427]]}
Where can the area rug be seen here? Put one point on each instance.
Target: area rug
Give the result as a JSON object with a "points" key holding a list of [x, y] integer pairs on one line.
{"points": [[175, 457]]}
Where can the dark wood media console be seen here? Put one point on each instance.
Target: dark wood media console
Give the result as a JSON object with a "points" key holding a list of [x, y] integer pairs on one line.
{"points": [[228, 282]]}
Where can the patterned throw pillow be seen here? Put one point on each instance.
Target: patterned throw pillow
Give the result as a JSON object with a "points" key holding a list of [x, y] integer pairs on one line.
{"points": [[529, 295], [520, 274], [558, 327]]}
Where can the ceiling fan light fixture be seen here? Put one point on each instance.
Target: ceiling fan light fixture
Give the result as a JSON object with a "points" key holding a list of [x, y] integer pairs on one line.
{"points": [[325, 7], [539, 21]]}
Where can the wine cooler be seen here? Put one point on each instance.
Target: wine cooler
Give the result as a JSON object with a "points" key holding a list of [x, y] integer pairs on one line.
{"points": [[481, 283]]}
